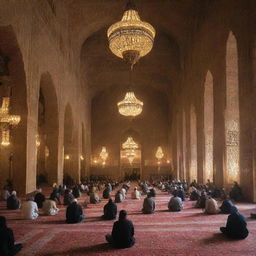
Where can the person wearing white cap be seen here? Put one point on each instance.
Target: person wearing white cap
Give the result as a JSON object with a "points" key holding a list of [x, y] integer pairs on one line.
{"points": [[136, 194]]}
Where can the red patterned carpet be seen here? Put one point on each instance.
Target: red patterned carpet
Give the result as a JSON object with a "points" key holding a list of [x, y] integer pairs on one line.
{"points": [[189, 232]]}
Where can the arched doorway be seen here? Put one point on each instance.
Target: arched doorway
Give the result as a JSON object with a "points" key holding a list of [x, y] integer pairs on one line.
{"points": [[13, 163], [48, 131], [130, 162]]}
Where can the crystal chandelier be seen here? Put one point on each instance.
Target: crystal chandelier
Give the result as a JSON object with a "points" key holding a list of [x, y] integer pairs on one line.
{"points": [[130, 147], [7, 121], [104, 155], [131, 38], [159, 154], [130, 105]]}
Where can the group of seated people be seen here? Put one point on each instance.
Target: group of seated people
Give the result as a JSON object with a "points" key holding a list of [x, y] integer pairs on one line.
{"points": [[123, 231]]}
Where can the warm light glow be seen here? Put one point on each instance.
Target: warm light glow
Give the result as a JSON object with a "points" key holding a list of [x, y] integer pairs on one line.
{"points": [[81, 158], [38, 143], [130, 105], [67, 157], [131, 38], [104, 155], [168, 161], [95, 161], [5, 138], [130, 147], [159, 154]]}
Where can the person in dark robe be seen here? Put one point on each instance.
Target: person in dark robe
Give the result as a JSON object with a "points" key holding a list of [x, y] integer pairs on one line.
{"points": [[74, 213], [175, 203], [152, 191], [13, 202], [144, 188], [195, 195], [110, 210], [226, 206], [106, 192], [148, 205], [68, 197], [119, 197], [200, 203], [39, 198], [236, 192], [181, 193], [236, 226], [76, 192], [122, 233], [7, 242], [56, 195]]}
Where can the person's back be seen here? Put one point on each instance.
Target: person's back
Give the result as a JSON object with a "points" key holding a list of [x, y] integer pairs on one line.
{"points": [[29, 210], [181, 193], [68, 197], [110, 210], [106, 193], [49, 207], [136, 194], [13, 203], [119, 197], [211, 206], [201, 201], [226, 206], [175, 204], [39, 199], [7, 245], [236, 226], [148, 205], [122, 233], [94, 198], [76, 192], [74, 213]]}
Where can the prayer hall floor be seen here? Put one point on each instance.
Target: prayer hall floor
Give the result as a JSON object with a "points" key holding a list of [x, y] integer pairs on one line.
{"points": [[189, 232]]}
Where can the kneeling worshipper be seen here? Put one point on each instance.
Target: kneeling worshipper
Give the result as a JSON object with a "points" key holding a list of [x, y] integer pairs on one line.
{"points": [[152, 191], [68, 197], [7, 242], [122, 233], [76, 192], [119, 197], [181, 193], [195, 194], [211, 206], [74, 213], [55, 194], [200, 203], [106, 192], [236, 226], [39, 198], [123, 192], [236, 192], [49, 207], [226, 206], [110, 210], [13, 202], [144, 187], [29, 209], [94, 198], [136, 194], [149, 205], [175, 203]]}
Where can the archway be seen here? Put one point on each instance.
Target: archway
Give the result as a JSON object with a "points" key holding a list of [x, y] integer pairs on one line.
{"points": [[232, 124], [13, 162], [48, 131], [208, 127]]}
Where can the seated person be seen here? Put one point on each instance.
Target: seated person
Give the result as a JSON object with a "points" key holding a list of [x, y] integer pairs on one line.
{"points": [[201, 200], [5, 193], [76, 192], [123, 191], [7, 245], [175, 203], [152, 191], [68, 197], [110, 210], [39, 198], [236, 225], [29, 209], [195, 194], [136, 194], [148, 205], [119, 197], [55, 194], [236, 192], [122, 233], [226, 206], [13, 202], [74, 213], [145, 188], [181, 193], [211, 206], [106, 192], [94, 198], [49, 207]]}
